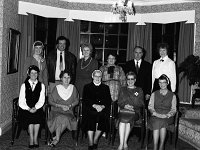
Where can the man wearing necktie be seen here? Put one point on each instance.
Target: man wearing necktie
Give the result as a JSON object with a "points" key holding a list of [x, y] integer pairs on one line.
{"points": [[163, 65], [142, 69], [61, 59]]}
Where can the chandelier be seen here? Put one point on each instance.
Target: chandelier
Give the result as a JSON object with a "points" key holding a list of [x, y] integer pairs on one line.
{"points": [[123, 7]]}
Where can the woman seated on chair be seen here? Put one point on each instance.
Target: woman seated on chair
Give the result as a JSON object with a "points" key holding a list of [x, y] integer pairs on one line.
{"points": [[162, 106], [96, 109], [63, 98], [130, 101], [31, 100]]}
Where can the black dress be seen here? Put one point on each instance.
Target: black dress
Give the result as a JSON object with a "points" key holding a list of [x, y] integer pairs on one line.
{"points": [[32, 98], [100, 95]]}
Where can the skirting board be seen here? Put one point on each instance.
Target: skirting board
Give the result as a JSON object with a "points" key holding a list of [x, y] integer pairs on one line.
{"points": [[186, 141], [5, 127]]}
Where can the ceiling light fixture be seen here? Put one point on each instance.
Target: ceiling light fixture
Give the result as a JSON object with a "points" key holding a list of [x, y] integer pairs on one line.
{"points": [[123, 7]]}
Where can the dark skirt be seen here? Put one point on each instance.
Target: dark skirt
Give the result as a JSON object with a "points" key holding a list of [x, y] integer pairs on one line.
{"points": [[156, 123], [26, 118]]}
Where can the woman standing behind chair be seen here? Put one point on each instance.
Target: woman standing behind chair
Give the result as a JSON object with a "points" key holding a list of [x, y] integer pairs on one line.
{"points": [[31, 100], [130, 101], [113, 76], [162, 106], [164, 65], [85, 67], [38, 60], [62, 100]]}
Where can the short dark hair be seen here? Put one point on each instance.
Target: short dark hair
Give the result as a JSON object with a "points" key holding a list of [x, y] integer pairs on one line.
{"points": [[131, 73], [33, 67], [163, 46], [166, 78], [63, 38], [143, 51], [63, 72]]}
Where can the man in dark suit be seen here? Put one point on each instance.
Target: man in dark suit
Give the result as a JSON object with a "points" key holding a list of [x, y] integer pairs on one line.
{"points": [[61, 59], [142, 69]]}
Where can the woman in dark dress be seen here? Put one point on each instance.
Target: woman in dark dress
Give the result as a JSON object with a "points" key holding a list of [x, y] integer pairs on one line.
{"points": [[162, 106], [130, 101], [85, 67], [31, 100], [96, 109]]}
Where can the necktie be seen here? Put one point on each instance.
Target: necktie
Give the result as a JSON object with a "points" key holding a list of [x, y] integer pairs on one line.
{"points": [[137, 67], [61, 62]]}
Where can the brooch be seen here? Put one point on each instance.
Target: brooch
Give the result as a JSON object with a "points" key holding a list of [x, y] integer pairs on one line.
{"points": [[136, 93]]}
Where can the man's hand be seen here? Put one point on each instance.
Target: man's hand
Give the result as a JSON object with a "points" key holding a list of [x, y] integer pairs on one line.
{"points": [[147, 97], [129, 107]]}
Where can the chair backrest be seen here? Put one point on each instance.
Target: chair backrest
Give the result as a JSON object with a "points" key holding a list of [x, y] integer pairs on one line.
{"points": [[173, 127], [15, 108]]}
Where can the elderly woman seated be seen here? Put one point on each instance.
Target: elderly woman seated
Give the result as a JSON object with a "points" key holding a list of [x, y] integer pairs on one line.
{"points": [[130, 101], [96, 109], [63, 98]]}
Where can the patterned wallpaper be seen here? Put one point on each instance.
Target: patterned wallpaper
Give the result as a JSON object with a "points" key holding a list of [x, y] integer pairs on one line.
{"points": [[10, 19], [8, 83]]}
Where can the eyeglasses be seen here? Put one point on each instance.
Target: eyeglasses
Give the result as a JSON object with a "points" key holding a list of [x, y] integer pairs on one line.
{"points": [[130, 78], [163, 82]]}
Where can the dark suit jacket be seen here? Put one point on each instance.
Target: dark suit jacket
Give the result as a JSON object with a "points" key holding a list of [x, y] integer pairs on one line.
{"points": [[144, 75], [70, 65]]}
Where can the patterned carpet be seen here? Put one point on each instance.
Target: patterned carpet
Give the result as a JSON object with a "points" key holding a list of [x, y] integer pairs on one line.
{"points": [[67, 143]]}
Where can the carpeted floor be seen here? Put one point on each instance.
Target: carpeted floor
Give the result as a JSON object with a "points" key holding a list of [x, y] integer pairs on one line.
{"points": [[66, 143]]}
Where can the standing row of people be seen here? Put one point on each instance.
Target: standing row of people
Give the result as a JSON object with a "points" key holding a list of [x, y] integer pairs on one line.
{"points": [[62, 65]]}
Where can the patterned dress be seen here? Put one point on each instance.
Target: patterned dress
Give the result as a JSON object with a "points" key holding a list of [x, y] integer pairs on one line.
{"points": [[114, 77]]}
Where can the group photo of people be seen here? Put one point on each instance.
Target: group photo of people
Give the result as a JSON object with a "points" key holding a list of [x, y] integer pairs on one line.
{"points": [[64, 81]]}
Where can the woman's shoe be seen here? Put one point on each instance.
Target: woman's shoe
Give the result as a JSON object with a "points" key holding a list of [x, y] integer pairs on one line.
{"points": [[90, 147], [95, 146], [36, 145], [54, 143], [31, 146], [125, 148]]}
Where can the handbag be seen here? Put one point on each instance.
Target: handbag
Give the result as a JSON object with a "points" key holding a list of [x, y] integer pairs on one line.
{"points": [[127, 116]]}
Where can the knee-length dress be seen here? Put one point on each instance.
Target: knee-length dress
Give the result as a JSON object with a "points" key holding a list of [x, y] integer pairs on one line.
{"points": [[59, 118], [162, 104], [31, 97], [93, 94], [133, 97]]}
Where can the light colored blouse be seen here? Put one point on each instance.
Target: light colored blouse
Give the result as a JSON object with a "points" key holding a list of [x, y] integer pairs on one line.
{"points": [[22, 98]]}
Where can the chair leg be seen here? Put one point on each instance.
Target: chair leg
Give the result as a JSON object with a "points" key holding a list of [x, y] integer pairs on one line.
{"points": [[142, 136], [14, 127], [113, 132], [19, 129]]}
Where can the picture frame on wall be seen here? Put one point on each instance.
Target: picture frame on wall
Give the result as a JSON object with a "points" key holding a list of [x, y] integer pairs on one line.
{"points": [[13, 51]]}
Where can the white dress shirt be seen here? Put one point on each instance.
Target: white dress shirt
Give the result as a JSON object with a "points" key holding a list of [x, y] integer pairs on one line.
{"points": [[139, 62], [57, 73], [166, 67], [22, 98]]}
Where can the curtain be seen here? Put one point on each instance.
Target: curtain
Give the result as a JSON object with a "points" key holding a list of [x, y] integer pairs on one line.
{"points": [[27, 39], [140, 35], [185, 48], [70, 30]]}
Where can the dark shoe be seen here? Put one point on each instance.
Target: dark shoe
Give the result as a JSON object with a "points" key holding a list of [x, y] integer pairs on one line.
{"points": [[31, 146], [95, 146], [36, 145], [90, 147]]}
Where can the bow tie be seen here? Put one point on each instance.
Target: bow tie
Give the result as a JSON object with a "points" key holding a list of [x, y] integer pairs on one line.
{"points": [[161, 60]]}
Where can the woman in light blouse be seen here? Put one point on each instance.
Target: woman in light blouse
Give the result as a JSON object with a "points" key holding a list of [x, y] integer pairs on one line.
{"points": [[31, 100], [162, 106], [164, 65]]}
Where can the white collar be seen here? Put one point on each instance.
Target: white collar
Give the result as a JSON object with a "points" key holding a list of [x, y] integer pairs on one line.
{"points": [[165, 58], [63, 92], [32, 83], [139, 61], [97, 84]]}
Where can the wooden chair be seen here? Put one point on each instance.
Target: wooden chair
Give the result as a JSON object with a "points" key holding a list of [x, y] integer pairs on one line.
{"points": [[141, 123], [75, 134], [172, 130], [16, 126]]}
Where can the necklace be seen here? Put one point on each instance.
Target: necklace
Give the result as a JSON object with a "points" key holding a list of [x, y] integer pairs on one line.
{"points": [[86, 65]]}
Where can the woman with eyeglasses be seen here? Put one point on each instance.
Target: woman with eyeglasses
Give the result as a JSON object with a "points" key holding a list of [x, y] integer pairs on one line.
{"points": [[130, 102], [162, 106]]}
